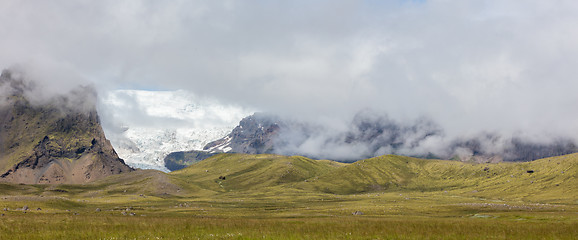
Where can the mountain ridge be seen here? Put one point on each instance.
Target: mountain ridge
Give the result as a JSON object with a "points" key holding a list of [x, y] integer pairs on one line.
{"points": [[368, 135]]}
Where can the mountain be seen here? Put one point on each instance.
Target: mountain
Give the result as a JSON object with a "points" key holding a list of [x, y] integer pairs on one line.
{"points": [[370, 135], [254, 135], [146, 126], [58, 139]]}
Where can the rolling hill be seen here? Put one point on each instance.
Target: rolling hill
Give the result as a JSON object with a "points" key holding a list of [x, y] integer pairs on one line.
{"points": [[551, 179], [301, 198]]}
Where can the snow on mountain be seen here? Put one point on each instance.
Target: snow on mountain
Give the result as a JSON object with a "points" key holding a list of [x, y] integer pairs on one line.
{"points": [[145, 126]]}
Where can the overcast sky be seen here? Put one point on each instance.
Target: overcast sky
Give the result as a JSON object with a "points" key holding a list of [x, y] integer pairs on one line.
{"points": [[471, 66]]}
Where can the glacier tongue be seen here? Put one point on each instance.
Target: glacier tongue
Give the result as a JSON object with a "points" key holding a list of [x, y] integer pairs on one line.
{"points": [[145, 126]]}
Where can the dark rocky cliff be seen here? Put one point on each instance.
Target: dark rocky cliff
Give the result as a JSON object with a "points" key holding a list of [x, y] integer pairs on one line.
{"points": [[59, 140]]}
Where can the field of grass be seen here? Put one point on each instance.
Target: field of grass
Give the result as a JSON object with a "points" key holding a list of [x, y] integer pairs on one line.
{"points": [[349, 227], [234, 196]]}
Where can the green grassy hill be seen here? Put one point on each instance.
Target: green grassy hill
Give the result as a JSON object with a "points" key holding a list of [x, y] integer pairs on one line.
{"points": [[552, 179], [279, 197], [241, 172]]}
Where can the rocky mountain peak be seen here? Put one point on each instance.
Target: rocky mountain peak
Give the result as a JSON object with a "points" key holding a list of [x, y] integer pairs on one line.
{"points": [[56, 140], [254, 135]]}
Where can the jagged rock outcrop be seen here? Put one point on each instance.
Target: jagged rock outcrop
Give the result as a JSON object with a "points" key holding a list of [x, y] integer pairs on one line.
{"points": [[254, 135], [54, 140]]}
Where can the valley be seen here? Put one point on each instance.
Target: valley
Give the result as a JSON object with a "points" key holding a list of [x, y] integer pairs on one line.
{"points": [[288, 120], [238, 196]]}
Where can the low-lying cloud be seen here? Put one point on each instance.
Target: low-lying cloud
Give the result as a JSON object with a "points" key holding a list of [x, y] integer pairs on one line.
{"points": [[370, 134], [34, 85]]}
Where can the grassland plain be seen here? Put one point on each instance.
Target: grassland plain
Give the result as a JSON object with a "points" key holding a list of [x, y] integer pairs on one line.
{"points": [[235, 196]]}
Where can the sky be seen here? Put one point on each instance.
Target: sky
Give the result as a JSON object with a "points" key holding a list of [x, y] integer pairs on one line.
{"points": [[470, 66]]}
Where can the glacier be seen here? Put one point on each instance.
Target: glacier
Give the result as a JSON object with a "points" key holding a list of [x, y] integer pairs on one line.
{"points": [[145, 126]]}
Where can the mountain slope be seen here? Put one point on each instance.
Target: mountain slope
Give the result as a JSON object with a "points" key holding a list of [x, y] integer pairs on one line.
{"points": [[57, 141], [255, 134], [551, 179], [264, 179], [240, 172]]}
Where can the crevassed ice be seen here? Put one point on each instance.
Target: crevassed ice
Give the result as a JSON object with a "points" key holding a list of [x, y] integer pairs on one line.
{"points": [[145, 126]]}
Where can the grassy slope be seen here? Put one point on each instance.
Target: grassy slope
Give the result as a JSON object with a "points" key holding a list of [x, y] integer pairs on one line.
{"points": [[553, 179], [251, 172], [294, 197]]}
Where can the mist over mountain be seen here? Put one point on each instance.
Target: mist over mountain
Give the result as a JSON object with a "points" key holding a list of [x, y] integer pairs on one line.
{"points": [[51, 139], [369, 134], [500, 71]]}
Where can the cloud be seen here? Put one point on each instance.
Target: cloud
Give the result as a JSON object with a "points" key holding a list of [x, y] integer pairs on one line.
{"points": [[62, 89], [370, 134], [470, 66]]}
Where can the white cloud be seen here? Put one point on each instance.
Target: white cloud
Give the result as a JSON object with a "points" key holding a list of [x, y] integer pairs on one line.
{"points": [[471, 66]]}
